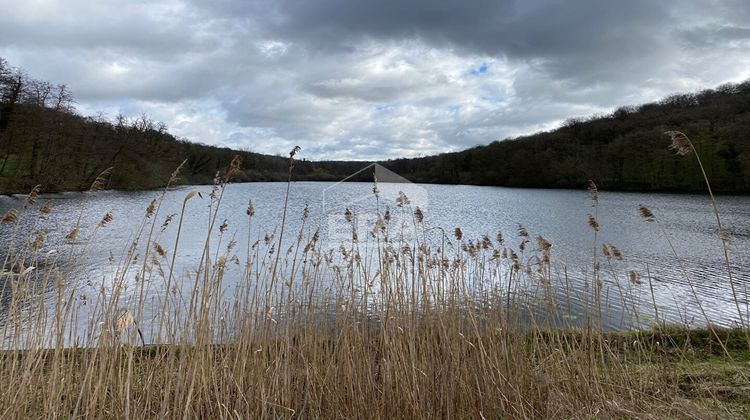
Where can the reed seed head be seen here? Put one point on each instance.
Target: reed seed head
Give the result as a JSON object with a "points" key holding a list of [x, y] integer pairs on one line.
{"points": [[215, 185], [123, 321], [230, 245], [9, 217], [106, 219], [232, 170], [615, 252], [39, 241], [176, 173], [221, 263], [192, 194], [101, 181], [379, 225], [419, 215], [680, 142], [160, 250], [593, 192], [311, 245], [32, 197], [543, 244], [72, 235], [250, 209], [458, 234], [151, 209], [46, 208], [634, 278], [290, 161], [593, 223], [646, 213], [348, 216], [167, 221], [402, 199]]}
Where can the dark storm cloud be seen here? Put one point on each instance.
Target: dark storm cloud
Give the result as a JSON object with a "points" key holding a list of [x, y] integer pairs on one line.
{"points": [[363, 80], [588, 35]]}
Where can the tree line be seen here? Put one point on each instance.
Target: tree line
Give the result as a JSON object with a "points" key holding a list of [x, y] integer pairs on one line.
{"points": [[624, 150], [44, 141]]}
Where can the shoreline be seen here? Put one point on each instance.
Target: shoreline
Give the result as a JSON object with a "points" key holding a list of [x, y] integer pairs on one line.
{"points": [[580, 189]]}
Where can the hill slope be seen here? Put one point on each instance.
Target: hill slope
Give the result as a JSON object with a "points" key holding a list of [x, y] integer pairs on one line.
{"points": [[626, 150]]}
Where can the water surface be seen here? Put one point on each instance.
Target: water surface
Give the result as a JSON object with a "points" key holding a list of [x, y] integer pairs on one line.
{"points": [[687, 221]]}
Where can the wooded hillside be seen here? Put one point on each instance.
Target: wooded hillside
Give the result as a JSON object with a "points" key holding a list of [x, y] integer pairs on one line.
{"points": [[626, 150]]}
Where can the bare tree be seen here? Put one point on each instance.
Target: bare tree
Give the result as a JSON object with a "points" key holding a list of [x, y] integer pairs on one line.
{"points": [[143, 123], [63, 99], [121, 123], [39, 92], [10, 96], [5, 72]]}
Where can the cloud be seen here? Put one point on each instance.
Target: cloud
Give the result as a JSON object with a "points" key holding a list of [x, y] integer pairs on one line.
{"points": [[374, 79]]}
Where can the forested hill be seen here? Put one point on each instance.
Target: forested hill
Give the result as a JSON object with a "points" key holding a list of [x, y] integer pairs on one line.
{"points": [[626, 150], [43, 141]]}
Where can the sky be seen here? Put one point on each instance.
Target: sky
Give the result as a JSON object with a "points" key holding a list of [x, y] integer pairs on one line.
{"points": [[365, 80]]}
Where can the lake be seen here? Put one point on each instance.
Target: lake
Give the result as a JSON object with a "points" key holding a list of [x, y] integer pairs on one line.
{"points": [[560, 216]]}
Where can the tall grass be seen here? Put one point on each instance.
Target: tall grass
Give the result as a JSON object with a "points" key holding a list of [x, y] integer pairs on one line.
{"points": [[402, 321]]}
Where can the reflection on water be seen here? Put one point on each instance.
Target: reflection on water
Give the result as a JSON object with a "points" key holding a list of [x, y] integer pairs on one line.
{"points": [[95, 256]]}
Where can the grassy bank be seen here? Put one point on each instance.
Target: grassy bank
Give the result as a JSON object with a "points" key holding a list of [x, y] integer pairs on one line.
{"points": [[402, 320], [415, 373]]}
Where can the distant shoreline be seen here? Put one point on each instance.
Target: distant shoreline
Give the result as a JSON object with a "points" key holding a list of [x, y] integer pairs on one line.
{"points": [[601, 189]]}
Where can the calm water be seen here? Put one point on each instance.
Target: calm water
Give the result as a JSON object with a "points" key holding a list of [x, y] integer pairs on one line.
{"points": [[558, 215]]}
